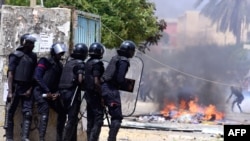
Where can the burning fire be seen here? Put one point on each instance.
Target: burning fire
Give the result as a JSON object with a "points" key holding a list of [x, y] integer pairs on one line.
{"points": [[208, 113]]}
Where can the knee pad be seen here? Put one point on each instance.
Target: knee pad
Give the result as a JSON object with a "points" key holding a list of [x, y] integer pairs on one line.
{"points": [[44, 116]]}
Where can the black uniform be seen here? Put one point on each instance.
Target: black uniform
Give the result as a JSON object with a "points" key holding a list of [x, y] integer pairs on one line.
{"points": [[111, 94], [70, 89], [47, 76], [94, 68], [22, 65]]}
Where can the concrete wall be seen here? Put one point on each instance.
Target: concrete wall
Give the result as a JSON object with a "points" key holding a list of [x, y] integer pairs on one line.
{"points": [[49, 26]]}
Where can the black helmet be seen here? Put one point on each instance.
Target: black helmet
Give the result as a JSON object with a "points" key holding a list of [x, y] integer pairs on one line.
{"points": [[27, 39], [96, 50], [80, 51], [57, 48], [127, 49], [23, 38]]}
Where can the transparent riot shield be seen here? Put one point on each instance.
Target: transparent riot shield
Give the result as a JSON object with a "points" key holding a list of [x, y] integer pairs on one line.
{"points": [[129, 99]]}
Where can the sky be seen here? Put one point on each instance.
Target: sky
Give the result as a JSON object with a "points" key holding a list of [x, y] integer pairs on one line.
{"points": [[172, 8]]}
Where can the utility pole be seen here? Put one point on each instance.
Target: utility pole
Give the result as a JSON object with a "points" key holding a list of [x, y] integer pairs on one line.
{"points": [[32, 3]]}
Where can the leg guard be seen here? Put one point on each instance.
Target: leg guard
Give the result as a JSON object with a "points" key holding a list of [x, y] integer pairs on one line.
{"points": [[74, 135], [10, 127], [43, 126], [114, 128], [90, 124], [9, 131], [26, 126], [88, 135], [95, 132], [69, 130], [61, 119]]}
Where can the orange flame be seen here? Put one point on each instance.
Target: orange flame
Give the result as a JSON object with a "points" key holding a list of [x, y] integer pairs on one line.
{"points": [[210, 112]]}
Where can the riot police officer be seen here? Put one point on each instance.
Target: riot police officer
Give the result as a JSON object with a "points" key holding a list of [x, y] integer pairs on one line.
{"points": [[47, 76], [22, 63], [94, 69], [70, 86], [114, 78]]}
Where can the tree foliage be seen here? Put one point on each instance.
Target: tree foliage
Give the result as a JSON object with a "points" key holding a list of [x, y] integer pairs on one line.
{"points": [[121, 20], [228, 14]]}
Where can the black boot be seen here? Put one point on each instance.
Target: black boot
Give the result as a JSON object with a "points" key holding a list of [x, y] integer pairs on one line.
{"points": [[26, 127], [9, 131], [114, 128], [43, 127]]}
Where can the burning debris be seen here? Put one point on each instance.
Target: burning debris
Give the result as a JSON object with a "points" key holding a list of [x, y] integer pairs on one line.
{"points": [[191, 112], [185, 118], [185, 112]]}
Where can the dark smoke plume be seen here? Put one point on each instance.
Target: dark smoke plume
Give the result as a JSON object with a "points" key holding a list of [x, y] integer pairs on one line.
{"points": [[205, 72]]}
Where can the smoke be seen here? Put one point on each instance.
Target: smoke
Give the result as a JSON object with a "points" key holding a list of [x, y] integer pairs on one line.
{"points": [[172, 9], [204, 72]]}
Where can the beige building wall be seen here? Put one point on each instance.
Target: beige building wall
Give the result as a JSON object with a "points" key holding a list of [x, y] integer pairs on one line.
{"points": [[195, 29]]}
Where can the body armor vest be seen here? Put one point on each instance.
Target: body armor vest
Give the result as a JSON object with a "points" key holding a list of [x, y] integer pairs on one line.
{"points": [[53, 74], [108, 74], [25, 68], [90, 82], [68, 77]]}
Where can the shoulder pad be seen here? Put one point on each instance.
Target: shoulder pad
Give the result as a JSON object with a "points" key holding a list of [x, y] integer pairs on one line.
{"points": [[95, 61], [75, 60], [45, 60], [34, 54], [79, 61], [123, 58], [17, 53], [50, 60]]}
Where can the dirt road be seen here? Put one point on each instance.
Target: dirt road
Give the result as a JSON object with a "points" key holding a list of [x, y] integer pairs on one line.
{"points": [[132, 134], [156, 135], [126, 134]]}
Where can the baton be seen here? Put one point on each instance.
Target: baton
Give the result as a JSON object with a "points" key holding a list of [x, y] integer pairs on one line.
{"points": [[106, 114], [73, 96]]}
